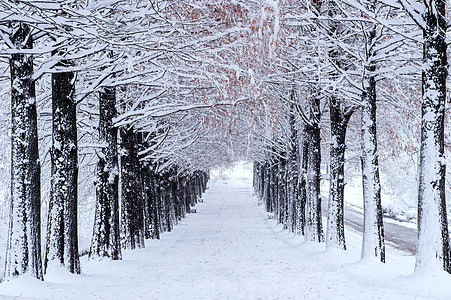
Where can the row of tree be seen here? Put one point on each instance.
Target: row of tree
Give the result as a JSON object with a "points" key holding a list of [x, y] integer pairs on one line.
{"points": [[191, 84], [103, 51], [330, 57], [152, 201]]}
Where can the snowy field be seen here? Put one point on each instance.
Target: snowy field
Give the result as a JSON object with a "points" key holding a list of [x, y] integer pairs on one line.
{"points": [[230, 249]]}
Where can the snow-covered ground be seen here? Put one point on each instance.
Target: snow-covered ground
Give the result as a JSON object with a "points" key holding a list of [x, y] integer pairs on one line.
{"points": [[394, 205], [230, 249]]}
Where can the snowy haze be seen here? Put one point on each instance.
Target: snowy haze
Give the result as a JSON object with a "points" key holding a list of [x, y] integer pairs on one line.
{"points": [[232, 249]]}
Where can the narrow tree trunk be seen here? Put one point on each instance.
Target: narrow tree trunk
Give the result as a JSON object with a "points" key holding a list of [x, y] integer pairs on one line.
{"points": [[281, 183], [170, 201], [154, 207], [313, 225], [255, 175], [276, 182], [272, 184], [163, 202], [433, 239], [181, 191], [199, 185], [335, 234], [160, 201], [175, 208], [106, 234], [187, 189], [192, 191], [148, 200], [294, 191], [23, 252], [62, 236], [302, 184], [132, 208], [287, 206], [264, 187], [293, 170], [373, 227]]}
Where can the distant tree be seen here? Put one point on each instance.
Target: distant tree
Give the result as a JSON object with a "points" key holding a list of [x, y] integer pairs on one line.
{"points": [[302, 163]]}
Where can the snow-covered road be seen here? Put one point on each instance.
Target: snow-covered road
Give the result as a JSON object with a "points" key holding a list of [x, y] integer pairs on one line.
{"points": [[400, 235], [230, 249]]}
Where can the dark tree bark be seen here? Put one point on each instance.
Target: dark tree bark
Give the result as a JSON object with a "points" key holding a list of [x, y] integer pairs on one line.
{"points": [[154, 207], [313, 223], [433, 239], [287, 201], [267, 191], [62, 237], [293, 171], [160, 188], [132, 208], [176, 196], [193, 197], [272, 185], [198, 185], [159, 202], [264, 188], [181, 194], [164, 205], [255, 174], [23, 252], [281, 191], [150, 205], [175, 211], [168, 201], [335, 234], [302, 185], [106, 233], [187, 193]]}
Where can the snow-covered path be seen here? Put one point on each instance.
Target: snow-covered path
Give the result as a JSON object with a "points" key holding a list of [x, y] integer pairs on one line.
{"points": [[230, 249]]}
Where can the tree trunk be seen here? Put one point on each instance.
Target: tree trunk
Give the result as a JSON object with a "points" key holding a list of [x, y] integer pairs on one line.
{"points": [[23, 252], [302, 184], [62, 236], [151, 231], [272, 184], [373, 227], [154, 207], [186, 187], [281, 194], [335, 234], [265, 178], [175, 208], [313, 225], [132, 208], [159, 201], [433, 239], [192, 188], [106, 234], [293, 178]]}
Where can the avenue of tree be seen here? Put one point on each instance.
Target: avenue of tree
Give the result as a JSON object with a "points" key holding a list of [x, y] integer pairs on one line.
{"points": [[143, 98]]}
